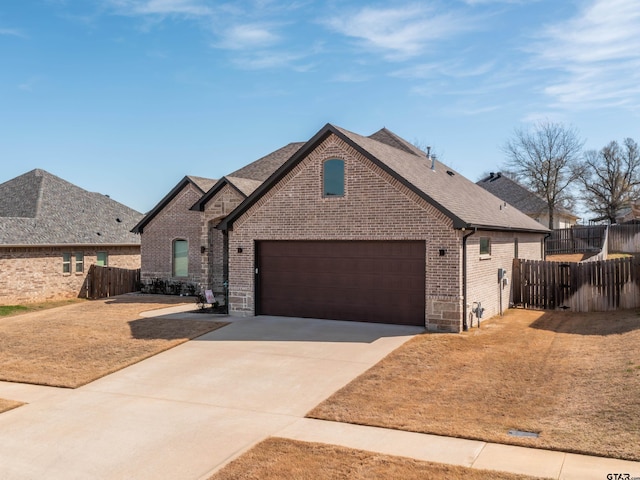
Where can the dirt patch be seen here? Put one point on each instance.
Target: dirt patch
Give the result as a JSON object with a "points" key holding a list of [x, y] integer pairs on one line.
{"points": [[73, 345], [573, 378], [278, 458]]}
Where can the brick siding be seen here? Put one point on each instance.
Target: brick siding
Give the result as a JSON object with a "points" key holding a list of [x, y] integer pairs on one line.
{"points": [[482, 271], [213, 261], [34, 274], [174, 222], [375, 206]]}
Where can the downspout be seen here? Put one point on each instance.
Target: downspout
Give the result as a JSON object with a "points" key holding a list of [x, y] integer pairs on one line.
{"points": [[465, 326], [544, 245]]}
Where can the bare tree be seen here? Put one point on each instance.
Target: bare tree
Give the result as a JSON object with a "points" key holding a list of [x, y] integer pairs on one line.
{"points": [[545, 158], [611, 178]]}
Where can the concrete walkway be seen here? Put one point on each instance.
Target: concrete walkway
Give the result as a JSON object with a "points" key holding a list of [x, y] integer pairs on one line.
{"points": [[186, 412]]}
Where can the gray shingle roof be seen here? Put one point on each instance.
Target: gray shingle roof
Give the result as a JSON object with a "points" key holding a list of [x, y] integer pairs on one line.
{"points": [[38, 208], [250, 177], [517, 195], [202, 183], [262, 168], [467, 204], [245, 185]]}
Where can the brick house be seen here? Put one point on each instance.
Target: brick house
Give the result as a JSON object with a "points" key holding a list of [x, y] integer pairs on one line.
{"points": [[373, 229], [51, 231], [181, 245]]}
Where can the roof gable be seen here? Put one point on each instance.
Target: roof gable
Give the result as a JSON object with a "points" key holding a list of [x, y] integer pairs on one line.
{"points": [[198, 182], [248, 178], [468, 205], [57, 212]]}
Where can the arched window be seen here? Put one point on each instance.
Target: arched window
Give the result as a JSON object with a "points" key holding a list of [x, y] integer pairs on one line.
{"points": [[180, 258], [333, 178]]}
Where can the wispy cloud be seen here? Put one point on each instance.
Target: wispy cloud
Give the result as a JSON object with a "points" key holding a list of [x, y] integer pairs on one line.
{"points": [[457, 68], [270, 60], [12, 32], [248, 36], [29, 84], [194, 8], [400, 33], [597, 54]]}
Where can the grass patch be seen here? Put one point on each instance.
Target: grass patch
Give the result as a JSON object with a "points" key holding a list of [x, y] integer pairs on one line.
{"points": [[72, 346], [278, 458], [10, 310], [8, 405], [570, 377], [7, 310]]}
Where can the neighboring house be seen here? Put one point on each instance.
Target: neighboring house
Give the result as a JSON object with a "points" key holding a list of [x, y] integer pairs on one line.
{"points": [[372, 229], [180, 243], [629, 214], [526, 201], [51, 231]]}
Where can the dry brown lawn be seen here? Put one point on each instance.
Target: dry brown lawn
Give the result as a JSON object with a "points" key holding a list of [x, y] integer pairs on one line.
{"points": [[279, 458], [573, 378], [74, 345]]}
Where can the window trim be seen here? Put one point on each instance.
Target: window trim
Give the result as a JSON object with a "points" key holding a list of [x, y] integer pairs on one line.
{"points": [[66, 263], [78, 262], [174, 272], [324, 178], [487, 252], [106, 259]]}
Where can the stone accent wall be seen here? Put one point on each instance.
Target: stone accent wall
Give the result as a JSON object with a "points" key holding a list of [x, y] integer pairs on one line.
{"points": [[174, 222], [213, 262], [32, 274], [375, 206], [482, 270]]}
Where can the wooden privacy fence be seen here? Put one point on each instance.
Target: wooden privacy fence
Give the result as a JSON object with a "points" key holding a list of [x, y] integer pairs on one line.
{"points": [[577, 239], [624, 238], [110, 281], [581, 287]]}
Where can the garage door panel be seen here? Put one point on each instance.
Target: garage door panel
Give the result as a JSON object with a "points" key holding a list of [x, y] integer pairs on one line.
{"points": [[343, 280]]}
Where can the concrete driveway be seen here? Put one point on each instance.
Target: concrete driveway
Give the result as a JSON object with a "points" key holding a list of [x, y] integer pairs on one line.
{"points": [[189, 410]]}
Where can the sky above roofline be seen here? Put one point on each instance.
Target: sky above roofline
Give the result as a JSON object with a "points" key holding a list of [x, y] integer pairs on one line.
{"points": [[126, 97]]}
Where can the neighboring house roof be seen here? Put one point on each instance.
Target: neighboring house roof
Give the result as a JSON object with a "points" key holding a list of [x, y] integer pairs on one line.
{"points": [[518, 196], [247, 179], [201, 183], [468, 205], [629, 214], [38, 208]]}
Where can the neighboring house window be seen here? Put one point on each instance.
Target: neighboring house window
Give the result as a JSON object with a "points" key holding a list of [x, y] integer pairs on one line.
{"points": [[79, 262], [66, 263], [333, 178], [103, 259], [485, 246], [515, 248], [180, 258]]}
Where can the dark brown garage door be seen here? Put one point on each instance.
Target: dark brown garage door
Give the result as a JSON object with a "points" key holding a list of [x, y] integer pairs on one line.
{"points": [[382, 282]]}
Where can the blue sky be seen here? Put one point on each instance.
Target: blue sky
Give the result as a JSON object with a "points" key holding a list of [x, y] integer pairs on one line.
{"points": [[126, 97]]}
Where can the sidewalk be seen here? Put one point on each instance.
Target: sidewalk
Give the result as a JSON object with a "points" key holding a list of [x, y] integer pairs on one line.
{"points": [[457, 451]]}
